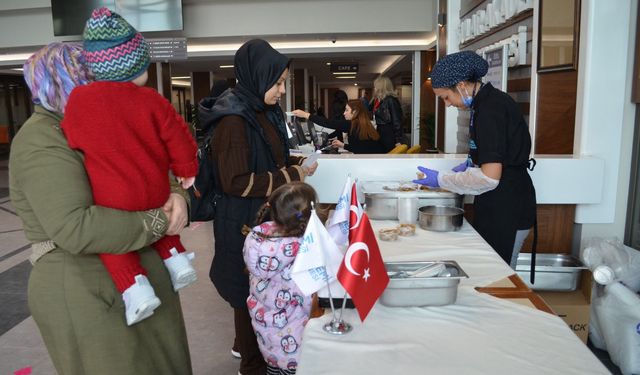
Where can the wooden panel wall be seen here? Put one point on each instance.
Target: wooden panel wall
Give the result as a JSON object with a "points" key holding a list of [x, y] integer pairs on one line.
{"points": [[556, 111], [635, 93], [555, 228], [153, 76], [201, 86]]}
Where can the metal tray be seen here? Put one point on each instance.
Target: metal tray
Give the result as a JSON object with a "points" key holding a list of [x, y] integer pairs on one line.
{"points": [[382, 204], [422, 291], [554, 272]]}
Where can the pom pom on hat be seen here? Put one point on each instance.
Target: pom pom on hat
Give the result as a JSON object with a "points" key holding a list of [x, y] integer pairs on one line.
{"points": [[113, 49], [457, 67]]}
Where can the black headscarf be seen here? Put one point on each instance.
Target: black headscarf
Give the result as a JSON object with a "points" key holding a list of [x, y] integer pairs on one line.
{"points": [[257, 67]]}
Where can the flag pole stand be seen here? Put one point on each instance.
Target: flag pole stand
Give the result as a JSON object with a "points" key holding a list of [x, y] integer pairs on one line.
{"points": [[336, 326]]}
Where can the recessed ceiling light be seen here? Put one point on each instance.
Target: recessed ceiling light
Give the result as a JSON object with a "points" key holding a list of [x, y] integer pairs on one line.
{"points": [[355, 84], [346, 77], [181, 77], [328, 63], [226, 66]]}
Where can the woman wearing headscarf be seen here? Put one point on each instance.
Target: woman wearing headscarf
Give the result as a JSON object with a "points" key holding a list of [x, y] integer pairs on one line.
{"points": [[78, 310], [252, 159], [499, 147], [387, 113]]}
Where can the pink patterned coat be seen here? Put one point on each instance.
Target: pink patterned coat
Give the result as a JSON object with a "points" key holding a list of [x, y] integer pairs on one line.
{"points": [[278, 309]]}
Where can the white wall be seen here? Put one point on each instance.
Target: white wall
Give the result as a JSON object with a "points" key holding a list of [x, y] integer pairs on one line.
{"points": [[227, 18], [605, 113], [453, 41]]}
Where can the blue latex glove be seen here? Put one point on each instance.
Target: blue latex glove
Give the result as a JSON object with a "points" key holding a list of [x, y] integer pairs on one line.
{"points": [[460, 167], [430, 178]]}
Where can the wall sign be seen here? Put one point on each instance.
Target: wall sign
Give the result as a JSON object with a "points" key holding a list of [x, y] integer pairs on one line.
{"points": [[167, 49], [498, 66], [349, 68]]}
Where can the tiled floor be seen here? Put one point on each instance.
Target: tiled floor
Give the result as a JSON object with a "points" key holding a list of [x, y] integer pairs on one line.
{"points": [[208, 318]]}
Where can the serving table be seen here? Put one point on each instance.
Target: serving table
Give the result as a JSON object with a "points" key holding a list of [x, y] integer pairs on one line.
{"points": [[479, 334]]}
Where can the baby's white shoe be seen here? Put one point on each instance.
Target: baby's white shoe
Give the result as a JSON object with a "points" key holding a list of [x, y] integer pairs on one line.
{"points": [[139, 300], [180, 269]]}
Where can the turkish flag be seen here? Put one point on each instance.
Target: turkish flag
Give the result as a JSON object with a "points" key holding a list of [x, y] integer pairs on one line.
{"points": [[355, 211], [362, 272]]}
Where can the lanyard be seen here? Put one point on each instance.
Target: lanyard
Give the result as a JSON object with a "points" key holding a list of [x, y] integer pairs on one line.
{"points": [[472, 143]]}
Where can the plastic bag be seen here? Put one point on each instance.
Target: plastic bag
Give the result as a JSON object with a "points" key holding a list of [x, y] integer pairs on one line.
{"points": [[611, 261], [616, 321]]}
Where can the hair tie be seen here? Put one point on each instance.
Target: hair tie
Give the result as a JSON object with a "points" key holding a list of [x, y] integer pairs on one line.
{"points": [[299, 215]]}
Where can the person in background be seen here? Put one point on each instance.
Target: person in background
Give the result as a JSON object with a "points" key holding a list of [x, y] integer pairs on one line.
{"points": [[340, 100], [499, 147], [387, 113], [249, 147], [279, 310], [130, 137], [78, 310], [363, 137], [366, 102]]}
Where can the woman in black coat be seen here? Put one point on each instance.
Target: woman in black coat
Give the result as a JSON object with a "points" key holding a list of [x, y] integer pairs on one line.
{"points": [[387, 113], [363, 137], [251, 156]]}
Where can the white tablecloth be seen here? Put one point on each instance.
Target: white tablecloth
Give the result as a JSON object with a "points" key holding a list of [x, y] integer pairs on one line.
{"points": [[479, 334], [474, 255]]}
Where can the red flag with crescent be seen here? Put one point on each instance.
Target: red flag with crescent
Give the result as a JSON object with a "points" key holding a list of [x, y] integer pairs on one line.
{"points": [[362, 272]]}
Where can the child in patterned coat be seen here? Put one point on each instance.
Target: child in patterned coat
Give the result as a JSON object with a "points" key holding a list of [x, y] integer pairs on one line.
{"points": [[278, 308], [130, 137]]}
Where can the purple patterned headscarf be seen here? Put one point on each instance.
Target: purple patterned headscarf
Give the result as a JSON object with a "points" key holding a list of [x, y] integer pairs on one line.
{"points": [[53, 72]]}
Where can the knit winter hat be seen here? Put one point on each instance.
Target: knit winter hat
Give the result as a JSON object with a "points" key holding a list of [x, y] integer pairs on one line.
{"points": [[457, 67], [113, 49]]}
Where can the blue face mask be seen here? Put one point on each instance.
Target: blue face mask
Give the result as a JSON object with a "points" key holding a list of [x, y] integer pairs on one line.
{"points": [[466, 99]]}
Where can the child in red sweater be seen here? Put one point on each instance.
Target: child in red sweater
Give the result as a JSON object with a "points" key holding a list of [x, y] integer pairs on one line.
{"points": [[130, 137]]}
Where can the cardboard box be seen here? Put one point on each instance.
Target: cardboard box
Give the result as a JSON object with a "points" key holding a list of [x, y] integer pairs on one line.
{"points": [[573, 307]]}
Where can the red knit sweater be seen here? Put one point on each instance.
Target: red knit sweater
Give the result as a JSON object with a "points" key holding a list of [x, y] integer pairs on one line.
{"points": [[130, 137]]}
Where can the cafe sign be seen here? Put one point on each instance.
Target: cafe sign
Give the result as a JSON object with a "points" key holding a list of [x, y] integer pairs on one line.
{"points": [[344, 68]]}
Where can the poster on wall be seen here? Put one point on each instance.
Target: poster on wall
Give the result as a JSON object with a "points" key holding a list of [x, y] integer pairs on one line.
{"points": [[497, 73]]}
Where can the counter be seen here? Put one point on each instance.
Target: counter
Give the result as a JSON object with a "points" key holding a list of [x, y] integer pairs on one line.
{"points": [[479, 334], [558, 179]]}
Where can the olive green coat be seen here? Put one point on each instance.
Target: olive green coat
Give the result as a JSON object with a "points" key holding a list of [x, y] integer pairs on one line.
{"points": [[79, 312]]}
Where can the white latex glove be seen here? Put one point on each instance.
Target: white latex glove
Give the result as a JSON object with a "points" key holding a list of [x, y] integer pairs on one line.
{"points": [[471, 182]]}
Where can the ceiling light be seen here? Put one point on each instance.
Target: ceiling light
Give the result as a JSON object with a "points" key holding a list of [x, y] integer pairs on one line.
{"points": [[18, 69], [355, 84], [346, 77], [348, 73], [181, 83], [182, 77], [16, 58], [226, 66], [328, 63], [417, 43]]}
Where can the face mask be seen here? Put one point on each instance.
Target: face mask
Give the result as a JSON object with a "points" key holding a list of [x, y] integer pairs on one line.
{"points": [[466, 99]]}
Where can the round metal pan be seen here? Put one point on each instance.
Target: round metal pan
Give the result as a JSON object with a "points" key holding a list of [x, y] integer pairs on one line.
{"points": [[440, 218]]}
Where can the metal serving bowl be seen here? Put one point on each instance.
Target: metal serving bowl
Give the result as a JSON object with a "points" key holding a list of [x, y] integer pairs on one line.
{"points": [[440, 218]]}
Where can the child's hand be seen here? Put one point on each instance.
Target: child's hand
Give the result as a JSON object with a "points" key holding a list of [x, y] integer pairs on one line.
{"points": [[186, 182]]}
